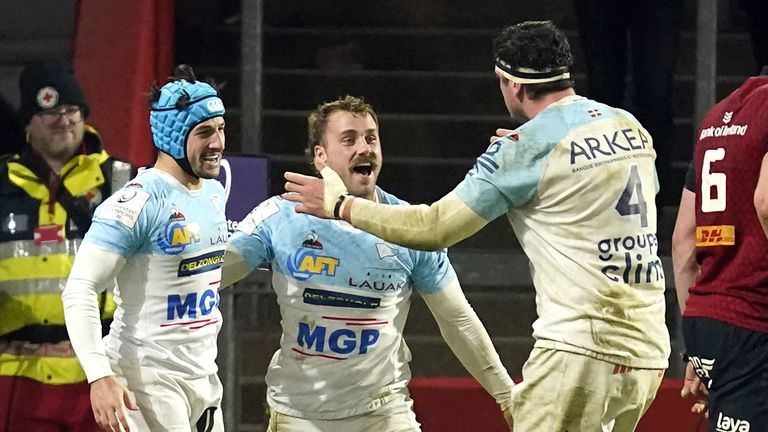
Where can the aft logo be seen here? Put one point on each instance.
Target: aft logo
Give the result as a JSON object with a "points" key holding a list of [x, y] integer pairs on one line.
{"points": [[731, 424], [305, 263], [178, 234]]}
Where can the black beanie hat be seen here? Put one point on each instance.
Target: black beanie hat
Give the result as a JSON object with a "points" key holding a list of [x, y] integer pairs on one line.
{"points": [[45, 85]]}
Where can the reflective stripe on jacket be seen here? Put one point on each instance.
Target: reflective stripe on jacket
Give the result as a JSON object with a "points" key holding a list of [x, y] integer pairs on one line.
{"points": [[39, 236]]}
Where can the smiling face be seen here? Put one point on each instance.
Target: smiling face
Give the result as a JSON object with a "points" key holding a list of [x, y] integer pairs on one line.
{"points": [[351, 147], [56, 133], [205, 146]]}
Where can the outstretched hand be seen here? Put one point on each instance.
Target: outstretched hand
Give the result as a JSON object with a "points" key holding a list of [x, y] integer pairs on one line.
{"points": [[109, 400], [307, 191], [318, 197]]}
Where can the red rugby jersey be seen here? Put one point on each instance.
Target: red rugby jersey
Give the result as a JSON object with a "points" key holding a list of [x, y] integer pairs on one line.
{"points": [[730, 244]]}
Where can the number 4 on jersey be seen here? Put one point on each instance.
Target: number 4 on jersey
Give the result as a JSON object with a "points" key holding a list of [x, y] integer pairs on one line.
{"points": [[634, 189]]}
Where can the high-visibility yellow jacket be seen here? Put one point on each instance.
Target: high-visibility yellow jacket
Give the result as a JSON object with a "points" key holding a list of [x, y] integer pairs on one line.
{"points": [[43, 218]]}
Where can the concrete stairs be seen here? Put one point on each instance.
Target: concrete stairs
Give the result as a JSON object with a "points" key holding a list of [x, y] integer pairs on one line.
{"points": [[427, 68]]}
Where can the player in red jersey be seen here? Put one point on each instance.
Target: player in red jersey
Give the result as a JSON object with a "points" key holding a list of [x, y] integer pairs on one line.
{"points": [[719, 254]]}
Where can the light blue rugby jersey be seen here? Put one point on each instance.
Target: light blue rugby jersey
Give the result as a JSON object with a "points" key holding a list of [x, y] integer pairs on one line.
{"points": [[578, 184], [173, 240], [344, 297]]}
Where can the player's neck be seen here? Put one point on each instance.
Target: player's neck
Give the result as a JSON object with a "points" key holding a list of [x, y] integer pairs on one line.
{"points": [[534, 107], [167, 164]]}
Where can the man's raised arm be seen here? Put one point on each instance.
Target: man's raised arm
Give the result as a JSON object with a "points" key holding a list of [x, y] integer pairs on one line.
{"points": [[442, 224]]}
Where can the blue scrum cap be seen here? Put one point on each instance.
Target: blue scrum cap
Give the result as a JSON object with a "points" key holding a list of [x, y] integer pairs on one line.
{"points": [[182, 105]]}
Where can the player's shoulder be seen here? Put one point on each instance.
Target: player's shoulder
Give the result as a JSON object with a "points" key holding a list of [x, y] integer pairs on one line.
{"points": [[279, 202], [149, 181], [125, 205], [273, 210], [561, 117], [385, 197], [214, 186]]}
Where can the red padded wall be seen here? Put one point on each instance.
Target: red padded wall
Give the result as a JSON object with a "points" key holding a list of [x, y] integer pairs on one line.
{"points": [[120, 49]]}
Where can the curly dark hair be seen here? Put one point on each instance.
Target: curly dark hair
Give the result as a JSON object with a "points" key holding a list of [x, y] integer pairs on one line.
{"points": [[185, 72], [537, 45], [318, 120]]}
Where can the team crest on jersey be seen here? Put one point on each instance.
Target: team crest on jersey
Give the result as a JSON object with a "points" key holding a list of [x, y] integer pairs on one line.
{"points": [[217, 202], [178, 233], [306, 262], [312, 241], [386, 250]]}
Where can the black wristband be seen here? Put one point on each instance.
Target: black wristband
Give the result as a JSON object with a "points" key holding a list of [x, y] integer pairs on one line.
{"points": [[337, 206], [684, 357]]}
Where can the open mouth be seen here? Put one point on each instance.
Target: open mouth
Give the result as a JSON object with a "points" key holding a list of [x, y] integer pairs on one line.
{"points": [[212, 158], [364, 169]]}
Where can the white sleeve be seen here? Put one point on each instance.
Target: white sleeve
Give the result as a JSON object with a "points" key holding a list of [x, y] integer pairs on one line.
{"points": [[93, 271], [426, 227], [235, 267], [469, 341]]}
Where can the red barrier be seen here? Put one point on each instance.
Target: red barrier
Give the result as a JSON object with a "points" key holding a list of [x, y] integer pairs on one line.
{"points": [[461, 405], [120, 49]]}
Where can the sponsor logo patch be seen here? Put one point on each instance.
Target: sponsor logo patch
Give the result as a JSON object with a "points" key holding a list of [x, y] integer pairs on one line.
{"points": [[715, 235], [330, 298], [192, 310], [201, 263], [178, 234], [340, 344], [124, 206], [731, 424], [305, 263]]}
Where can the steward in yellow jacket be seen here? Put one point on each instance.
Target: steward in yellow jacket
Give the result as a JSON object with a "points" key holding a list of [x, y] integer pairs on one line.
{"points": [[48, 192]]}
